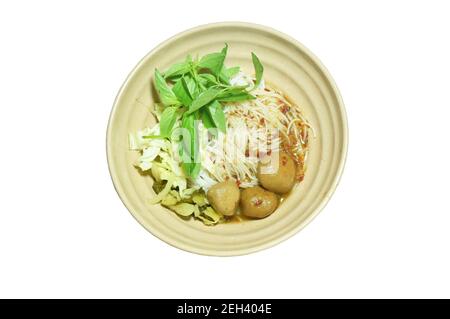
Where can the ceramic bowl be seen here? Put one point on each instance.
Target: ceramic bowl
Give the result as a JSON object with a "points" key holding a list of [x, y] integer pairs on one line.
{"points": [[290, 67]]}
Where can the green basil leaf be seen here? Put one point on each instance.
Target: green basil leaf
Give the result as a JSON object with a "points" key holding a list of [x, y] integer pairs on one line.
{"points": [[203, 99], [191, 146], [233, 71], [190, 86], [195, 169], [235, 97], [209, 123], [177, 69], [227, 73], [259, 69], [234, 90], [186, 168], [216, 113], [207, 79], [187, 123], [207, 120], [223, 76], [165, 93], [214, 61], [224, 50], [168, 118], [191, 169], [182, 93]]}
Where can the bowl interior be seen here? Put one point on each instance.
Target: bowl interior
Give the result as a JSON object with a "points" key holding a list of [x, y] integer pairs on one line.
{"points": [[289, 67]]}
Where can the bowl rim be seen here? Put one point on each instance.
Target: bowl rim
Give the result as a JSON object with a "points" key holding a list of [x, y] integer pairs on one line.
{"points": [[335, 182]]}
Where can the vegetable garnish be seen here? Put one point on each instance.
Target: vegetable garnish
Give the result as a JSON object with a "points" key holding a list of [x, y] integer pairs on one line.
{"points": [[259, 69], [198, 88], [214, 124]]}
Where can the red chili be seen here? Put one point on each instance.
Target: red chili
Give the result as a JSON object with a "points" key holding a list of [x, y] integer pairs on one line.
{"points": [[258, 202]]}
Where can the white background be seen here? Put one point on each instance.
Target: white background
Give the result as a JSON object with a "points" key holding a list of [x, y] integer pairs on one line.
{"points": [[65, 233]]}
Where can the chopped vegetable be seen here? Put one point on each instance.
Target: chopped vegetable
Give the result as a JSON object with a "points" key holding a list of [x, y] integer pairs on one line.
{"points": [[259, 69], [165, 93], [168, 118], [199, 199]]}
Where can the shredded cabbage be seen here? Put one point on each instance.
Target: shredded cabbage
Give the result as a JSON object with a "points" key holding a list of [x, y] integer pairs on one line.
{"points": [[157, 156]]}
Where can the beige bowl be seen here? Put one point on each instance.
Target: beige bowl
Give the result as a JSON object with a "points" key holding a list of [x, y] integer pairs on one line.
{"points": [[288, 65]]}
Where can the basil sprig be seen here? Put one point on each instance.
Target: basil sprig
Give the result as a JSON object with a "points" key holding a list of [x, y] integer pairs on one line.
{"points": [[195, 90]]}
